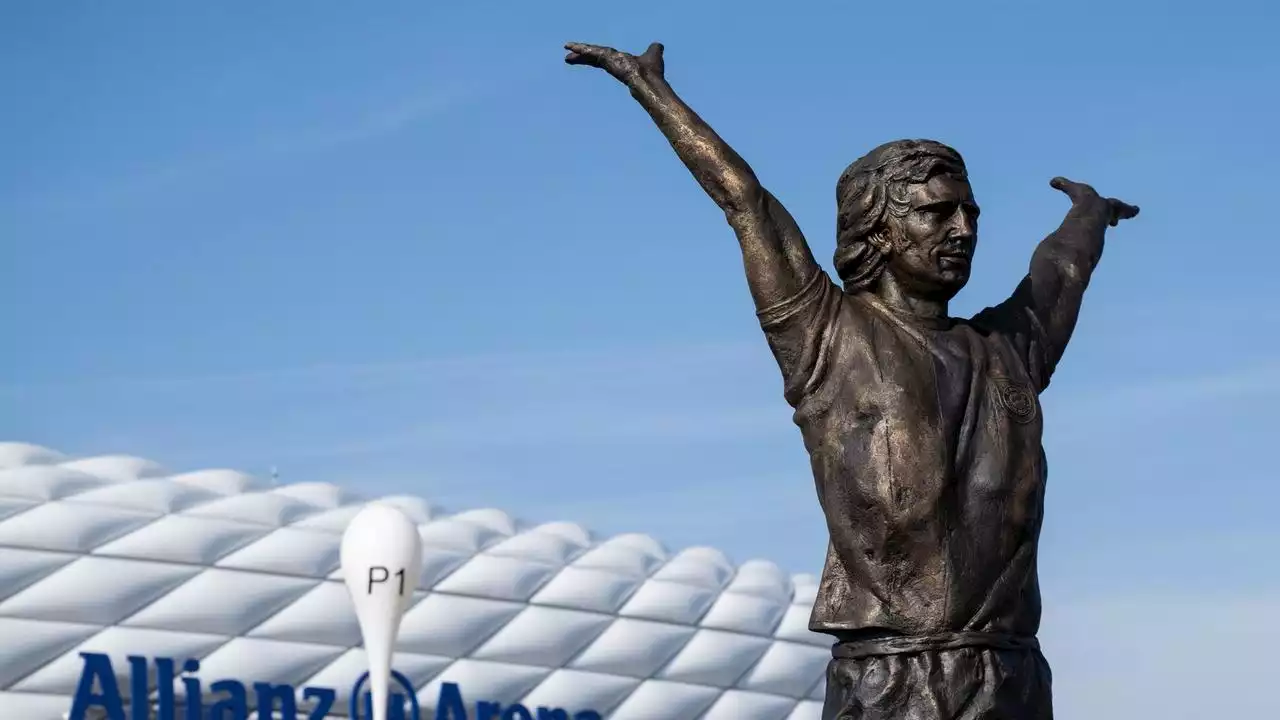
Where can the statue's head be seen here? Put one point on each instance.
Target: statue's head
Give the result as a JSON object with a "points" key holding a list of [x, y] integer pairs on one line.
{"points": [[906, 209]]}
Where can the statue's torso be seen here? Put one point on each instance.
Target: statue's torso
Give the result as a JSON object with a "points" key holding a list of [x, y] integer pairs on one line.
{"points": [[926, 447]]}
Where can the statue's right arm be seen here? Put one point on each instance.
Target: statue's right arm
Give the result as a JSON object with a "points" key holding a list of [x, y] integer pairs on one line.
{"points": [[796, 302], [778, 261], [776, 256]]}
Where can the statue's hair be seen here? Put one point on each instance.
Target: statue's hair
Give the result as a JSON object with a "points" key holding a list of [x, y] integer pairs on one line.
{"points": [[874, 187]]}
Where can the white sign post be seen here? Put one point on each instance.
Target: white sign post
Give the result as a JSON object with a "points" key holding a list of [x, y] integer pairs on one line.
{"points": [[381, 560]]}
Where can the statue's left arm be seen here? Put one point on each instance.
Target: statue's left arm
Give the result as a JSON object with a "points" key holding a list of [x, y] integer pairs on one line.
{"points": [[1061, 267]]}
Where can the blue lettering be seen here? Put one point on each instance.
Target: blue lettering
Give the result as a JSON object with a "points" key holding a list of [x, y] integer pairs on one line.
{"points": [[233, 707], [98, 693], [517, 712], [449, 705], [324, 698], [191, 688], [164, 688], [97, 667], [139, 694], [268, 694]]}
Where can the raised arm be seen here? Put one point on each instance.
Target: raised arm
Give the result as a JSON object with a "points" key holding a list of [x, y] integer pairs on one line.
{"points": [[778, 260], [1061, 268]]}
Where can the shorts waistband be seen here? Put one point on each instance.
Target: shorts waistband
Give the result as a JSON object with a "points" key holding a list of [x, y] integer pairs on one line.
{"points": [[905, 644]]}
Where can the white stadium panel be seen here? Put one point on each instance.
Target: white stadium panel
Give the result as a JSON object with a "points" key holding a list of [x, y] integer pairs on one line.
{"points": [[114, 556]]}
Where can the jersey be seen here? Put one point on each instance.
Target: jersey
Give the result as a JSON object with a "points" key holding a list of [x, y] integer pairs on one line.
{"points": [[924, 438]]}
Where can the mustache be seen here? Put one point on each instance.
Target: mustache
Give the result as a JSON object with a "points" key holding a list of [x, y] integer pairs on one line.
{"points": [[959, 247]]}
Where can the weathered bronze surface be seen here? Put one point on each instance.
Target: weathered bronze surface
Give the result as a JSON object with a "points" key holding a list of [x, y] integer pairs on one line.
{"points": [[923, 430]]}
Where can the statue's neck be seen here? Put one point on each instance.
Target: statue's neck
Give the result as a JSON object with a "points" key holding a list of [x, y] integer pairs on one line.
{"points": [[900, 300]]}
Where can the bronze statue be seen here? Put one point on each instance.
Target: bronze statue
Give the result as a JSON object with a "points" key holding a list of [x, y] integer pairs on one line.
{"points": [[923, 430]]}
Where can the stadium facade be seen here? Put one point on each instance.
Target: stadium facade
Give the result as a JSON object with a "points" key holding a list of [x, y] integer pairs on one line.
{"points": [[116, 556]]}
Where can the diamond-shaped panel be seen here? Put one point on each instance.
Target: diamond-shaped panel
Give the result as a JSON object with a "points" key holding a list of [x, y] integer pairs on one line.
{"points": [[20, 568], [547, 637], [288, 552], [324, 614], [184, 539], [740, 705], [44, 482], [574, 690], [452, 626], [70, 526], [30, 644], [667, 700], [636, 648], [18, 454], [95, 590], [715, 658], [221, 602]]}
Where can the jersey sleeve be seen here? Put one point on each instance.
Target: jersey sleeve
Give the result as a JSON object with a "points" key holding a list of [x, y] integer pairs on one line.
{"points": [[799, 330], [1017, 320]]}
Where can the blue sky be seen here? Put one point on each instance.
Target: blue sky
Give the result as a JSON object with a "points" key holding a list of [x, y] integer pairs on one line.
{"points": [[405, 249]]}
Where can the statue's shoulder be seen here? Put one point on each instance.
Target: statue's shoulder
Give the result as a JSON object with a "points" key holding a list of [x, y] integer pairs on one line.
{"points": [[978, 323]]}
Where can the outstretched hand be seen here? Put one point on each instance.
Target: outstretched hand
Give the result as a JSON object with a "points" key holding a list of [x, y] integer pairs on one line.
{"points": [[627, 68], [1082, 194]]}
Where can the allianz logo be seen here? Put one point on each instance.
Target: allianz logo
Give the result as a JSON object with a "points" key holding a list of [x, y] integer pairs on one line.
{"points": [[98, 696]]}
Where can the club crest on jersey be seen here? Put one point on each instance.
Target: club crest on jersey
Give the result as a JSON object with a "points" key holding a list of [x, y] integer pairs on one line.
{"points": [[1016, 398]]}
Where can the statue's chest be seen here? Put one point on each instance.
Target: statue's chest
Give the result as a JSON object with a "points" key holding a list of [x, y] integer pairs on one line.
{"points": [[951, 405], [924, 379]]}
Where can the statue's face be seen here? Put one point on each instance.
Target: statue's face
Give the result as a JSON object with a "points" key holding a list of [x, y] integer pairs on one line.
{"points": [[931, 247]]}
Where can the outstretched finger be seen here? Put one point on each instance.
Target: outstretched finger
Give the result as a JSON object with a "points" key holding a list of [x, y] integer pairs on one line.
{"points": [[578, 53], [1124, 210], [652, 58], [1063, 184], [583, 54], [589, 50], [1078, 192]]}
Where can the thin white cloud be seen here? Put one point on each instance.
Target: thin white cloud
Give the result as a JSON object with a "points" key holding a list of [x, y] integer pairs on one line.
{"points": [[1263, 378], [141, 185], [571, 422], [636, 396], [1162, 392], [1075, 417], [479, 367], [372, 125], [1172, 657], [560, 426], [763, 500]]}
